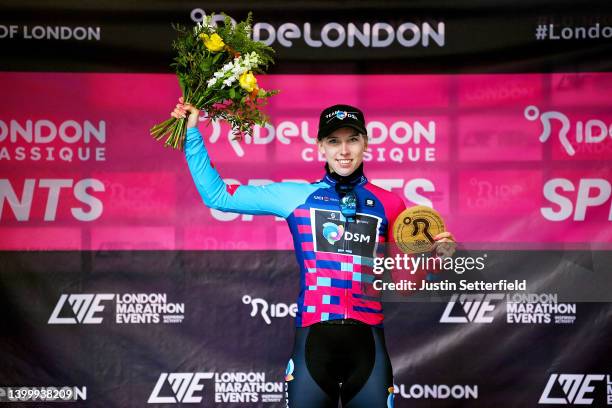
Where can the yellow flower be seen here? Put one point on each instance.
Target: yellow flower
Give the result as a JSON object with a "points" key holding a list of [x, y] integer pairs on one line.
{"points": [[248, 81], [213, 42]]}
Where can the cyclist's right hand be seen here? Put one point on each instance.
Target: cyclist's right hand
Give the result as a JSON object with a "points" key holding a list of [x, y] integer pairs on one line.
{"points": [[183, 110]]}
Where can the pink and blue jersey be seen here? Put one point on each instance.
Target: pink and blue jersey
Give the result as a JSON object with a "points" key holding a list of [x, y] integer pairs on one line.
{"points": [[335, 257]]}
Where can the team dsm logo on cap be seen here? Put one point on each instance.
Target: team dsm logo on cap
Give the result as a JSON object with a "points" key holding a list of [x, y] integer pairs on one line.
{"points": [[340, 114]]}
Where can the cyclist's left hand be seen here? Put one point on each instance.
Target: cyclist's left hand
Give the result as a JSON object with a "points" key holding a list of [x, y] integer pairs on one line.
{"points": [[444, 245]]}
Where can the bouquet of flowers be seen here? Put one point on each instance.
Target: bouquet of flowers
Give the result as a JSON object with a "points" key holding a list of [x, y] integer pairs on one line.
{"points": [[216, 69]]}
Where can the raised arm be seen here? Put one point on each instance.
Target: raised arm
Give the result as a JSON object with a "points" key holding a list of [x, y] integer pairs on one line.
{"points": [[278, 199]]}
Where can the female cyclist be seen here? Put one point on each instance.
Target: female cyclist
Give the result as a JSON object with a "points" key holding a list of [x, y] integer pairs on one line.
{"points": [[338, 225]]}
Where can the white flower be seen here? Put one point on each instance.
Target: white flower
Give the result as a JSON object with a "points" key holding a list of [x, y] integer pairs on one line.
{"points": [[231, 71], [205, 24], [227, 67], [237, 70]]}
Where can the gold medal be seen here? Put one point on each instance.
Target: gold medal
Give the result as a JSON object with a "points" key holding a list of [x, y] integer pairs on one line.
{"points": [[415, 228]]}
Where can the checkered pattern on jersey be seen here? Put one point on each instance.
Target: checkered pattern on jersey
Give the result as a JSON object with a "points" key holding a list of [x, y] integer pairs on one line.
{"points": [[334, 286]]}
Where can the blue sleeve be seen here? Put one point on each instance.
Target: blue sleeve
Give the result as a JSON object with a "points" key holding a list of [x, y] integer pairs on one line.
{"points": [[278, 199]]}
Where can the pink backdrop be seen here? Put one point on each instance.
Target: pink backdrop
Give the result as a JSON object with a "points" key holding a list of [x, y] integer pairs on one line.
{"points": [[466, 143]]}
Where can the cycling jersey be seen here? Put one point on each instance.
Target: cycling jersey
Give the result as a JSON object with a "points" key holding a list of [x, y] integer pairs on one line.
{"points": [[335, 257]]}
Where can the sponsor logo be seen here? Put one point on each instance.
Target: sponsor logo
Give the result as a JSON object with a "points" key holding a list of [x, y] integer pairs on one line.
{"points": [[398, 141], [64, 142], [236, 387], [534, 308], [486, 195], [43, 32], [520, 308], [46, 140], [476, 308], [130, 308], [34, 190], [186, 388], [436, 391], [369, 202], [267, 310], [332, 232], [592, 131], [84, 308], [591, 193], [575, 389], [324, 198], [378, 34], [339, 114], [358, 238]]}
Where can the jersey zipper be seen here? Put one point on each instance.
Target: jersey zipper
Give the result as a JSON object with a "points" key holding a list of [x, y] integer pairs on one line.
{"points": [[346, 224]]}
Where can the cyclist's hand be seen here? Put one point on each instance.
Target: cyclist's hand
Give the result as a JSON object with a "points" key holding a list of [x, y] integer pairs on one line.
{"points": [[444, 245], [184, 110]]}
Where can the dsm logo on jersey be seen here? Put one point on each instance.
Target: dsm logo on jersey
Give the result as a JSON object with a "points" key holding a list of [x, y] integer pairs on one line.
{"points": [[333, 234]]}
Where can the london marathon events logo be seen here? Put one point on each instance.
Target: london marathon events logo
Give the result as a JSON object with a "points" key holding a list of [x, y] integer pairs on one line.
{"points": [[520, 308], [577, 389], [229, 387], [130, 308]]}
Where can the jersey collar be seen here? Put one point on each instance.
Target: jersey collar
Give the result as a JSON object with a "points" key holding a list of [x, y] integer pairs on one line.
{"points": [[356, 178]]}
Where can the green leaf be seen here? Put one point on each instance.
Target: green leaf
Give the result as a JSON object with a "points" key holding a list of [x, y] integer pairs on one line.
{"points": [[182, 84]]}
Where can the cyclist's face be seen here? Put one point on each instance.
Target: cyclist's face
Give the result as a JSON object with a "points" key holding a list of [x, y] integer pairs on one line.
{"points": [[343, 150]]}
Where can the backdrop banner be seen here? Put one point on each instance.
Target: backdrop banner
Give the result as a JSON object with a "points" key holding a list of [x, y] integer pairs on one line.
{"points": [[119, 324]]}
